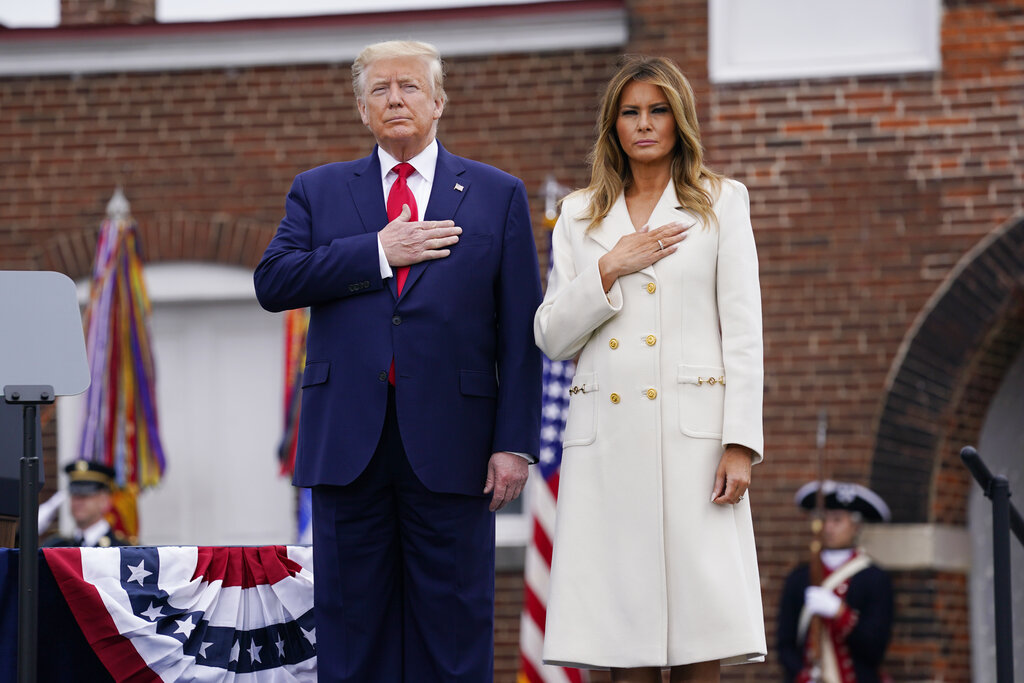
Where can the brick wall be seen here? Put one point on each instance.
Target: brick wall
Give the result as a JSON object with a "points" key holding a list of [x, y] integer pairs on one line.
{"points": [[865, 193], [930, 642]]}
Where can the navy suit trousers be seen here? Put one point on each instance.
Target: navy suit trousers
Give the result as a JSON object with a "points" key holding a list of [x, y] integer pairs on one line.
{"points": [[404, 576]]}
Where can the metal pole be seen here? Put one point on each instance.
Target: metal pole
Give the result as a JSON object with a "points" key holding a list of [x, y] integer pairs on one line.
{"points": [[28, 560], [999, 492], [983, 476]]}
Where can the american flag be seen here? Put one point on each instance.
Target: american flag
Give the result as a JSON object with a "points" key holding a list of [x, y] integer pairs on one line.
{"points": [[201, 614], [543, 494]]}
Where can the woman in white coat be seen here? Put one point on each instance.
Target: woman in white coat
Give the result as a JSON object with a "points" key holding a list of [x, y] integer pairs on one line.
{"points": [[654, 283]]}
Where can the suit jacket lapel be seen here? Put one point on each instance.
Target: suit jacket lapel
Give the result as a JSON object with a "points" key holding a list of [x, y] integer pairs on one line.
{"points": [[445, 199], [667, 210], [368, 197], [616, 224]]}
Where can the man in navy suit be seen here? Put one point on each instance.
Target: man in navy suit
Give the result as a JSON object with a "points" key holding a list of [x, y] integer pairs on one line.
{"points": [[421, 392]]}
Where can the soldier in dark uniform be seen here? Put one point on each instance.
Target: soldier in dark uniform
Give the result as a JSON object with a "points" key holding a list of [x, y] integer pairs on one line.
{"points": [[90, 488], [854, 600]]}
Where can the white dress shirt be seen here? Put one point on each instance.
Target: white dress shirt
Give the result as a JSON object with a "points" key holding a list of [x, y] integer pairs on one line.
{"points": [[836, 557], [90, 536], [420, 183]]}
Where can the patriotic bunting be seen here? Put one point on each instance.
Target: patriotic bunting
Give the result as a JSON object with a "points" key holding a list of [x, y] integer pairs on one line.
{"points": [[200, 614]]}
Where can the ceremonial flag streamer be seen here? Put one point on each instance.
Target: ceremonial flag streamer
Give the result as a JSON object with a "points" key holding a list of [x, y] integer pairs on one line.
{"points": [[120, 429], [189, 613], [557, 380], [296, 323]]}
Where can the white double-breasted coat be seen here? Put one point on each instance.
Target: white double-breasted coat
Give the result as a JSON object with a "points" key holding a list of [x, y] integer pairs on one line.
{"points": [[646, 570]]}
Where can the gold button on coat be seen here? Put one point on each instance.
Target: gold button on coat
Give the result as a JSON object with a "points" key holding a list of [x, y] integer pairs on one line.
{"points": [[651, 287], [614, 398], [613, 343], [652, 393], [651, 340]]}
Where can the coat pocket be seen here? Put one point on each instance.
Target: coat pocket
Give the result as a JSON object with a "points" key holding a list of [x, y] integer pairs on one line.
{"points": [[701, 400], [316, 372], [581, 424]]}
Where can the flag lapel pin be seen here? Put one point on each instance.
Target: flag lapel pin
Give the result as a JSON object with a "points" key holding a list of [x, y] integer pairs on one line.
{"points": [[459, 187]]}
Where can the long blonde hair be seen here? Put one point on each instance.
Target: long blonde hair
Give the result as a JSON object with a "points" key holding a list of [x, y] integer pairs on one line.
{"points": [[609, 165]]}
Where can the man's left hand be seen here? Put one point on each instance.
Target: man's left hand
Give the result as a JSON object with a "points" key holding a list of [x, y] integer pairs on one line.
{"points": [[506, 477]]}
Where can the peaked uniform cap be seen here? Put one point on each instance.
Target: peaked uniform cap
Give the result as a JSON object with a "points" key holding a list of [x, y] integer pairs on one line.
{"points": [[88, 477], [841, 495]]}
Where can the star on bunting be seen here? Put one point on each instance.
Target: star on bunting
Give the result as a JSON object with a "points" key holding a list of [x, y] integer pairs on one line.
{"points": [[139, 572], [186, 626], [153, 613]]}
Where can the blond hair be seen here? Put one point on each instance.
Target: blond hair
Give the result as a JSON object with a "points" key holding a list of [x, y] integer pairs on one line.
{"points": [[610, 172], [392, 49]]}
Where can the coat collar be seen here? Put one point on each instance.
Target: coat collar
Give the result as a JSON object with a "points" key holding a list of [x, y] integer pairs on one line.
{"points": [[618, 223], [446, 194]]}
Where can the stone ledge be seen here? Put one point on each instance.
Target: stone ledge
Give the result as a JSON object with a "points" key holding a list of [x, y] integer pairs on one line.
{"points": [[919, 546]]}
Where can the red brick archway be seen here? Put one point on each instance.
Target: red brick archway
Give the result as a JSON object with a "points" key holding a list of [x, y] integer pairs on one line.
{"points": [[944, 376], [176, 236]]}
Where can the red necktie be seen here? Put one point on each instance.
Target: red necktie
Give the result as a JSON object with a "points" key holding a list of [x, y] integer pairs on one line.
{"points": [[401, 194]]}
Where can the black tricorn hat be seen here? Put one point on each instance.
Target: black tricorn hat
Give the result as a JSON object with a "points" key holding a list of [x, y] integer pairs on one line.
{"points": [[88, 477], [841, 495]]}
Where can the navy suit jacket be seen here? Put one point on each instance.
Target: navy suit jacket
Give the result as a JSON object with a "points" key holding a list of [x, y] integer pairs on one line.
{"points": [[461, 334]]}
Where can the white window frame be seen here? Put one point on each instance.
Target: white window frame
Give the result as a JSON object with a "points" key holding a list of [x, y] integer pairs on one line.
{"points": [[227, 10], [755, 40]]}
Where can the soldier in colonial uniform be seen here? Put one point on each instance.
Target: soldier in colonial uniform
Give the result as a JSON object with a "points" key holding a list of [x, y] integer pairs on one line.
{"points": [[90, 488], [853, 602]]}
